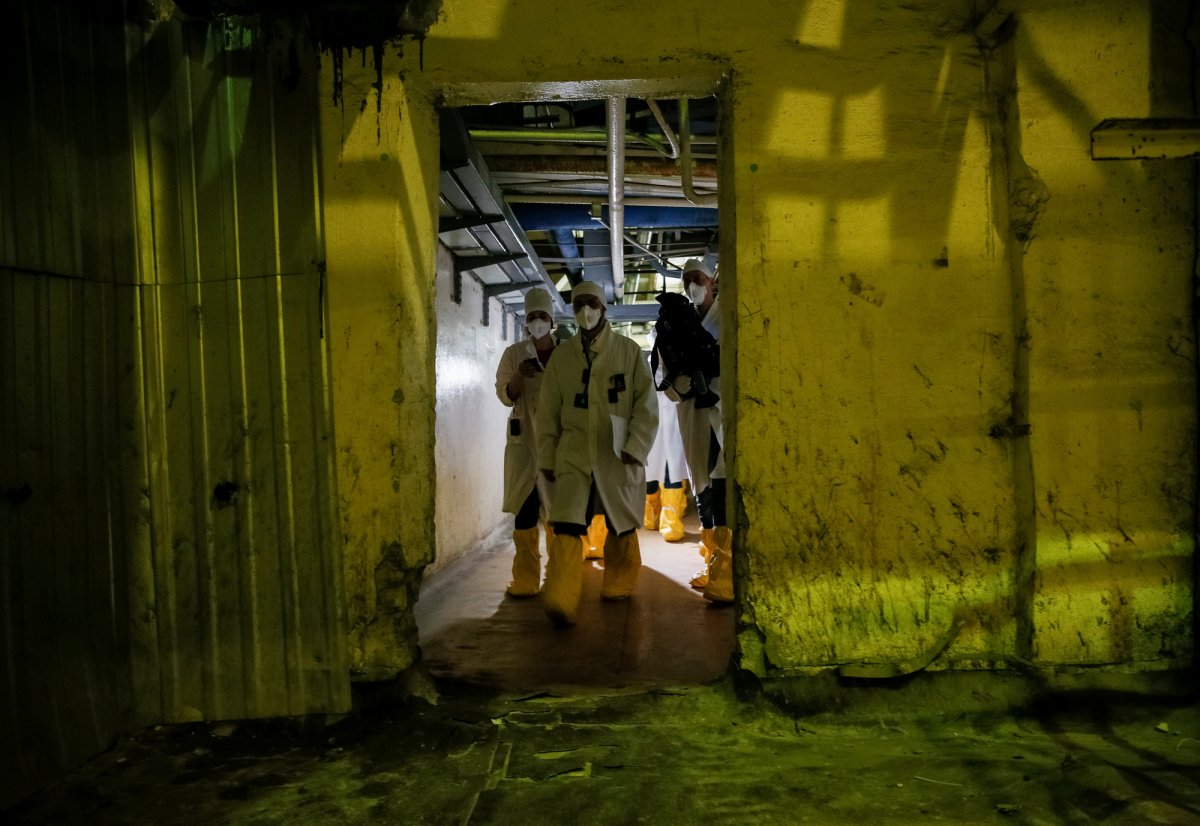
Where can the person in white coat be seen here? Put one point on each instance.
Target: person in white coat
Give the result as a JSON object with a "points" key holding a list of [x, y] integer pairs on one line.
{"points": [[703, 434], [526, 492], [596, 420]]}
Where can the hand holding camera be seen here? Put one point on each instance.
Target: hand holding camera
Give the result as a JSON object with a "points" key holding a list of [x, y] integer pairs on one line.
{"points": [[529, 367]]}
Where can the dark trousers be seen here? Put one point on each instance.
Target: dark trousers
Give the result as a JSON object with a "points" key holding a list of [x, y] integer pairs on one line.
{"points": [[527, 516], [712, 504], [572, 529]]}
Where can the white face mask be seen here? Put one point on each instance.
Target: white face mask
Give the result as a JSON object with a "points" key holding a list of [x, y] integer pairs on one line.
{"points": [[538, 328], [697, 292], [587, 317]]}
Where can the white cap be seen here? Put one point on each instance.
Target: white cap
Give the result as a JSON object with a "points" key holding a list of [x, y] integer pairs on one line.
{"points": [[537, 300], [698, 265], [587, 288]]}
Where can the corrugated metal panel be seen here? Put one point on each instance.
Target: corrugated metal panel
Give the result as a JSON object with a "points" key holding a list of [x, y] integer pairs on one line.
{"points": [[163, 379], [65, 628], [242, 596], [244, 589]]}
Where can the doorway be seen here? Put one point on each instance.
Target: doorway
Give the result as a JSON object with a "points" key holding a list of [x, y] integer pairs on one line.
{"points": [[527, 200]]}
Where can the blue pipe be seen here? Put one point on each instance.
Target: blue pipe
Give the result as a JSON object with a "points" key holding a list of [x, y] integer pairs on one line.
{"points": [[566, 244], [579, 216]]}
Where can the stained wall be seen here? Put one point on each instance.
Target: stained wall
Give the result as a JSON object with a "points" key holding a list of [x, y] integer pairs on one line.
{"points": [[167, 529], [919, 260]]}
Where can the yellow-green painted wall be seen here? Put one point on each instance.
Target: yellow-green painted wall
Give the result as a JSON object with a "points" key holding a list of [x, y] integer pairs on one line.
{"points": [[1112, 368], [380, 188], [880, 269]]}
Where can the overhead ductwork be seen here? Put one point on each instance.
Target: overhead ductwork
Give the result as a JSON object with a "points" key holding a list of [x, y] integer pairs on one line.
{"points": [[579, 216]]}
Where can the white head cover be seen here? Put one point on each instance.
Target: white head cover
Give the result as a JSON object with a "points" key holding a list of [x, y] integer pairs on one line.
{"points": [[588, 288], [537, 300], [698, 265]]}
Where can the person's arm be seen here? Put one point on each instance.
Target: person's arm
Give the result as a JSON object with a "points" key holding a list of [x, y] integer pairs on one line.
{"points": [[643, 413], [505, 371], [549, 418]]}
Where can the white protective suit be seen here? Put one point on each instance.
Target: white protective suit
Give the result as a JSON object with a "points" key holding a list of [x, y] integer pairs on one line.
{"points": [[579, 444], [667, 453], [695, 425], [520, 451]]}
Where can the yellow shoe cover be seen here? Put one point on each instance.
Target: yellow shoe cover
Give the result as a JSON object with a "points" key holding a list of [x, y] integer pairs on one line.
{"points": [[700, 580], [622, 566], [670, 523], [593, 543], [564, 579], [527, 564], [653, 510], [720, 574]]}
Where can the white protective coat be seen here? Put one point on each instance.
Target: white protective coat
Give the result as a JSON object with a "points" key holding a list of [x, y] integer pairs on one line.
{"points": [[520, 450], [697, 425], [578, 443], [666, 456]]}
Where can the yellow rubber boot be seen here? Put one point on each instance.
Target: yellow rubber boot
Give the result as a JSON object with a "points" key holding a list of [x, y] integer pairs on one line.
{"points": [[564, 580], [622, 566], [527, 564], [653, 510], [597, 532], [720, 573], [670, 523], [700, 580]]}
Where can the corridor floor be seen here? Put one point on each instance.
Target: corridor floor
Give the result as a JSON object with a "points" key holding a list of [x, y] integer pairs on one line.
{"points": [[666, 634]]}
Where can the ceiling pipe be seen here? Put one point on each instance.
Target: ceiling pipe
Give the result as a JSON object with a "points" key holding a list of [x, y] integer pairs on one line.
{"points": [[581, 136], [666, 129], [654, 256], [685, 159], [580, 216], [631, 200], [616, 191]]}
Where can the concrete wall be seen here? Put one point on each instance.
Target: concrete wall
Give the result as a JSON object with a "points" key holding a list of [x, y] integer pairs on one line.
{"points": [[1106, 274], [379, 177], [918, 258], [470, 419]]}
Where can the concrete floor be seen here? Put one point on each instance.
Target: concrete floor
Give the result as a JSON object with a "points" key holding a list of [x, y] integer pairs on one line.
{"points": [[666, 634], [607, 723]]}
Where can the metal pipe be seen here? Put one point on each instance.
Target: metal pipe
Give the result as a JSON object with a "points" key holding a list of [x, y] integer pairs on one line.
{"points": [[685, 159], [666, 129], [565, 136], [616, 191], [591, 199], [655, 259]]}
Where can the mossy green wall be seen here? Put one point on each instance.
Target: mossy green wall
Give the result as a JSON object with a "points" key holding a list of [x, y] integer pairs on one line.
{"points": [[917, 253]]}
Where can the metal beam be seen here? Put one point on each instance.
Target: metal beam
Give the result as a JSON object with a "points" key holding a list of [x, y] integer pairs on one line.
{"points": [[463, 263], [492, 290], [454, 222], [1123, 139], [469, 174], [570, 165]]}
